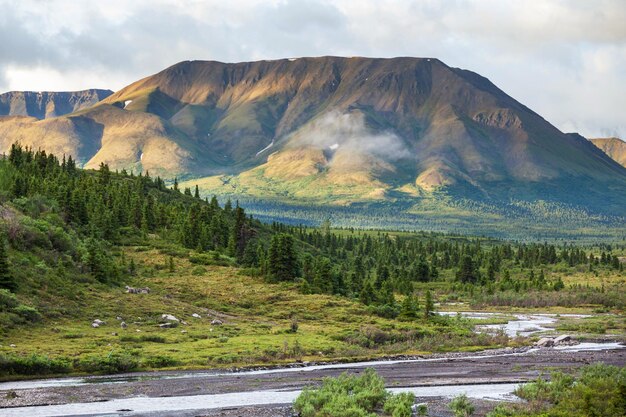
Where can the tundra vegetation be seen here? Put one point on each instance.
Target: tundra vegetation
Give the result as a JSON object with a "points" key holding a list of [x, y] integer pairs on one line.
{"points": [[244, 292]]}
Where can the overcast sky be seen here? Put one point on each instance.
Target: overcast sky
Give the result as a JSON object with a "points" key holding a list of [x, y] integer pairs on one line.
{"points": [[564, 59]]}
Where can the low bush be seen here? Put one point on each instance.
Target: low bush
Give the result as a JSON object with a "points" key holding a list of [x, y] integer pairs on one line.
{"points": [[109, 364], [599, 390], [33, 365], [28, 313], [353, 396], [461, 406], [143, 338], [160, 361]]}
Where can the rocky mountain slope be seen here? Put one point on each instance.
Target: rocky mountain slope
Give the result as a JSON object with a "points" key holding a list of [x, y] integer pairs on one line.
{"points": [[45, 104], [332, 130], [613, 147]]}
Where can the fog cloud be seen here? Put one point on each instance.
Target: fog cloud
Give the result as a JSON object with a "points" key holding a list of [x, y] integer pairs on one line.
{"points": [[348, 132]]}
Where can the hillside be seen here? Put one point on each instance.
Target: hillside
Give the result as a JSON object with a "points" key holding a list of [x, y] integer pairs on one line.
{"points": [[46, 104], [613, 147], [336, 131]]}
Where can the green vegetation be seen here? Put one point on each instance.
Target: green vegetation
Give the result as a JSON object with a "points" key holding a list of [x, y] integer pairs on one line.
{"points": [[76, 238], [598, 390], [353, 396], [461, 406]]}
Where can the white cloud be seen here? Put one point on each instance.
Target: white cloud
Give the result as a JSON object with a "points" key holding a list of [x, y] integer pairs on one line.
{"points": [[564, 59]]}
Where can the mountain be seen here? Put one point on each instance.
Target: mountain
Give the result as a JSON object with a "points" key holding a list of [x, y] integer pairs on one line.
{"points": [[334, 130], [46, 104], [613, 147]]}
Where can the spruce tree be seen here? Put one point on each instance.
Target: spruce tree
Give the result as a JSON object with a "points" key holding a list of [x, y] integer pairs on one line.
{"points": [[429, 306], [282, 260]]}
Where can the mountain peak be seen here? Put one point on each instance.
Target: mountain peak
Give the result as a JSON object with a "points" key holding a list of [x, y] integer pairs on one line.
{"points": [[47, 104]]}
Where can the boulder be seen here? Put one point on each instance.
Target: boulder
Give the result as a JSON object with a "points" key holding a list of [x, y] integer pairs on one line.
{"points": [[95, 325], [217, 322], [167, 325], [196, 315], [169, 317], [564, 338], [99, 322], [545, 342], [123, 325]]}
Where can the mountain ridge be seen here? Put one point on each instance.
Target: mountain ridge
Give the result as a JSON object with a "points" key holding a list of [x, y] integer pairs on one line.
{"points": [[48, 104], [333, 129]]}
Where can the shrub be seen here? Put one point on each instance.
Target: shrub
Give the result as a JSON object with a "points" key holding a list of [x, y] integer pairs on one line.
{"points": [[352, 396], [143, 338], [198, 270], [160, 361], [400, 405], [461, 406], [599, 390], [33, 365], [112, 363], [29, 313], [7, 300]]}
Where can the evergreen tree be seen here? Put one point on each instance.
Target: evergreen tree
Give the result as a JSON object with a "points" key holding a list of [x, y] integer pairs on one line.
{"points": [[282, 260], [409, 308], [429, 306], [467, 271], [367, 295]]}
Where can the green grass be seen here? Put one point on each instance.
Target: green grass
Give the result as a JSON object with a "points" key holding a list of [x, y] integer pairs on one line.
{"points": [[257, 323]]}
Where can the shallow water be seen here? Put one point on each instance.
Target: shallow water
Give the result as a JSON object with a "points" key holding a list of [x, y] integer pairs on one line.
{"points": [[207, 402], [69, 382], [522, 325]]}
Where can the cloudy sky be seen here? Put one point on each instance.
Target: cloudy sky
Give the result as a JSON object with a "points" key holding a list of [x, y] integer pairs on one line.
{"points": [[564, 59]]}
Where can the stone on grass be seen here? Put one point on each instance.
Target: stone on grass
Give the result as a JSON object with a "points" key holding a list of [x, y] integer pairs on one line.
{"points": [[545, 342], [169, 317]]}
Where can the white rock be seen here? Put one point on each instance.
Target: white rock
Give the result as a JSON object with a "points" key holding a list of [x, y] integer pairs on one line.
{"points": [[95, 325], [562, 339], [217, 322], [196, 315], [169, 317]]}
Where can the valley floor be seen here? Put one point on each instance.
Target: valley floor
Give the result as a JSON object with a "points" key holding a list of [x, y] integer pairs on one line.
{"points": [[197, 393]]}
